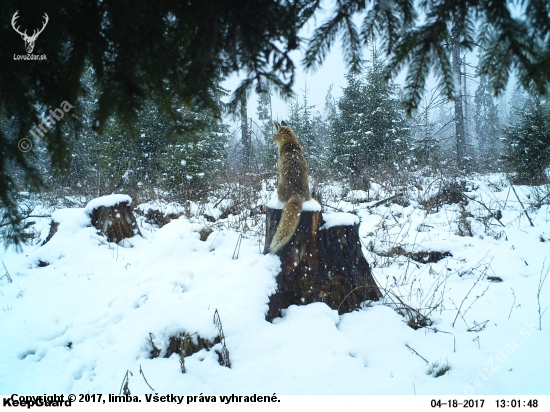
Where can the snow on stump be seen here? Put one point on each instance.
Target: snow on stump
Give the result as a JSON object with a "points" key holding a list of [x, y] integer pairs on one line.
{"points": [[323, 262], [112, 216]]}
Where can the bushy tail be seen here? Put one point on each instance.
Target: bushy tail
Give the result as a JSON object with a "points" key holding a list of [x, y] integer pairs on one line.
{"points": [[288, 224]]}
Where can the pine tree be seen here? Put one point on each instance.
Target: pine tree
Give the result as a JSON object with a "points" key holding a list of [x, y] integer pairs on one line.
{"points": [[422, 44], [306, 127], [330, 104], [487, 127], [528, 142], [425, 146], [371, 131], [460, 123], [265, 115], [191, 158], [145, 51], [176, 154]]}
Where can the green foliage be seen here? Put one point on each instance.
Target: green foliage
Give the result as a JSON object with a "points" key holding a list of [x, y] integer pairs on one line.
{"points": [[370, 131], [310, 132], [189, 160], [423, 45], [176, 154], [528, 142], [143, 53], [426, 146], [487, 127], [148, 53], [18, 170]]}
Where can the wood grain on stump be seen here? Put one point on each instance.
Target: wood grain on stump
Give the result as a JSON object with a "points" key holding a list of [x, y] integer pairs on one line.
{"points": [[320, 265], [116, 222]]}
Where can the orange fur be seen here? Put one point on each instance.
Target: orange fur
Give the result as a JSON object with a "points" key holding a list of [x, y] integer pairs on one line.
{"points": [[293, 187]]}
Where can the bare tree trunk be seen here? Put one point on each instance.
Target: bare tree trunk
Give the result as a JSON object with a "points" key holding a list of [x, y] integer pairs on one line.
{"points": [[245, 135], [459, 114], [470, 153]]}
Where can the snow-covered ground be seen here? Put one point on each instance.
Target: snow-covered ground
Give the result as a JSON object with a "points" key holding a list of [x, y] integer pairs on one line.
{"points": [[80, 323]]}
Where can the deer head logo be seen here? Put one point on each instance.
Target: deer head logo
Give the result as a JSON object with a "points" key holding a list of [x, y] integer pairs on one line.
{"points": [[29, 40]]}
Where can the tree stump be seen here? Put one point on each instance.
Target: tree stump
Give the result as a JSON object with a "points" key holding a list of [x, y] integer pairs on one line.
{"points": [[112, 216], [323, 262]]}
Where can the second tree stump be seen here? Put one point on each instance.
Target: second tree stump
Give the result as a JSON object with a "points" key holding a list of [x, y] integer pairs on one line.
{"points": [[112, 216]]}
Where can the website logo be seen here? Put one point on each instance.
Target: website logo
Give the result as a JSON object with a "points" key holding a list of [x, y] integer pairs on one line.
{"points": [[29, 40]]}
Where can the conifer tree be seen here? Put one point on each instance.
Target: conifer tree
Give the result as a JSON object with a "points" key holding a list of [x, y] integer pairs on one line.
{"points": [[246, 136], [425, 145], [145, 51], [370, 131], [459, 120], [265, 114], [330, 105], [192, 156], [487, 127], [418, 35], [177, 154], [308, 129], [528, 142]]}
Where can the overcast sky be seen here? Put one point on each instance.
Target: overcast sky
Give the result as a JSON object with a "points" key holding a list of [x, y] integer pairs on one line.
{"points": [[331, 72], [318, 83]]}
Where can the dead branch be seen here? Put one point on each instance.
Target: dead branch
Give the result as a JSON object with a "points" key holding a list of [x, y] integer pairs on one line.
{"points": [[423, 358], [482, 204], [512, 308], [385, 200], [466, 297], [542, 279], [442, 331], [523, 207]]}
